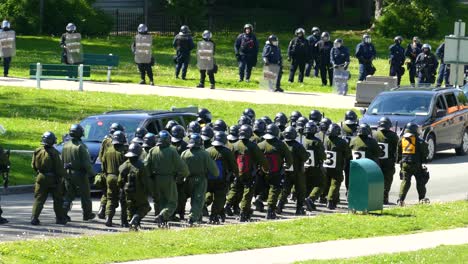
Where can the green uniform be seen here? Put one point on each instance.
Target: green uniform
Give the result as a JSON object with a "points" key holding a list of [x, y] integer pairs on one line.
{"points": [[323, 137], [337, 151], [217, 186], [277, 154], [166, 168], [295, 174], [349, 133], [111, 161], [106, 143], [48, 165], [388, 141], [365, 147], [200, 165], [315, 176], [134, 180], [412, 153], [181, 146], [248, 158], [4, 164], [207, 144], [76, 158], [256, 138]]}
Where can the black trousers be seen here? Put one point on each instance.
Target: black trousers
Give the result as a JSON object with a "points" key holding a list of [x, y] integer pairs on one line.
{"points": [[294, 65], [145, 69], [326, 69], [210, 76]]}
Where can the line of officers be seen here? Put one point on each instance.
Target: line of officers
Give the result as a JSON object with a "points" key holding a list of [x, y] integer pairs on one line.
{"points": [[257, 161]]}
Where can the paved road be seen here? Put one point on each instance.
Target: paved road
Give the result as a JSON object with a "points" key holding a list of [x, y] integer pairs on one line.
{"points": [[448, 183], [250, 96]]}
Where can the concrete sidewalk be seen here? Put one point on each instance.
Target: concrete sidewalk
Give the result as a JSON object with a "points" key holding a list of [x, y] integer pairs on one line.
{"points": [[238, 95], [328, 250]]}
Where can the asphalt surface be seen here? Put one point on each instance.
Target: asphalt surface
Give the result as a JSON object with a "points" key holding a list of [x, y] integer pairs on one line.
{"points": [[448, 183]]}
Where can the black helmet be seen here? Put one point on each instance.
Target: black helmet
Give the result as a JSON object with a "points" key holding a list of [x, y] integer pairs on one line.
{"points": [[325, 124], [351, 118], [385, 123], [272, 39], [315, 29], [233, 132], [364, 130], [301, 122], [334, 130], [178, 133], [338, 43], [295, 116], [195, 141], [310, 128], [272, 131], [325, 36], [250, 113], [204, 116], [149, 140], [245, 132], [281, 119], [164, 138], [184, 29], [248, 26], [193, 127], [267, 120], [411, 129], [220, 139], [115, 127], [140, 132], [259, 126], [48, 139], [398, 39], [134, 150], [220, 125], [299, 31], [315, 116], [244, 120], [137, 140], [119, 138], [170, 124], [76, 131], [290, 134], [207, 133]]}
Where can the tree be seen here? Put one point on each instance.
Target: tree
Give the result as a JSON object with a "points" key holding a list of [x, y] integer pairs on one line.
{"points": [[188, 11]]}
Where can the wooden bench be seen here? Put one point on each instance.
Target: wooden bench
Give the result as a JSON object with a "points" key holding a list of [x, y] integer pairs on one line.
{"points": [[102, 60], [40, 72]]}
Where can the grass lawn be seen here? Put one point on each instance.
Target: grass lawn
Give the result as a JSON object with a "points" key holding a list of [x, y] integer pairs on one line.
{"points": [[440, 254], [27, 113], [167, 243]]}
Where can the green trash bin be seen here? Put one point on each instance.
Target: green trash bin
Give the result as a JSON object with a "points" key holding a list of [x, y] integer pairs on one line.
{"points": [[366, 186]]}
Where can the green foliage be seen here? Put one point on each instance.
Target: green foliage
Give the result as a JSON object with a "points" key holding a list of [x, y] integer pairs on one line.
{"points": [[189, 11], [24, 16]]}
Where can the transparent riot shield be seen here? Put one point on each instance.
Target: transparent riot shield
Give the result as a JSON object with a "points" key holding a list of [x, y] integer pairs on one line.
{"points": [[73, 48], [340, 81], [7, 44], [205, 55], [270, 77], [143, 48]]}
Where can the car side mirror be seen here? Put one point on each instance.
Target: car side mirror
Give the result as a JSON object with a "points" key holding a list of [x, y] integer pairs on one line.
{"points": [[363, 111], [441, 113]]}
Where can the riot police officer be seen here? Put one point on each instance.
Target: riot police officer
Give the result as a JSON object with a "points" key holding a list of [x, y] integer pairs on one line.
{"points": [[349, 130], [70, 43], [149, 141], [397, 59], [246, 50], [339, 57], [142, 49], [388, 141], [204, 117], [8, 49], [315, 116], [48, 166], [412, 154], [170, 124], [281, 121], [272, 56], [294, 117], [323, 49], [365, 53], [193, 127], [299, 53], [220, 126], [412, 51], [259, 128], [313, 39], [207, 134], [140, 133], [183, 44], [426, 65], [244, 120], [177, 141], [364, 146], [77, 162], [250, 113], [444, 69], [207, 38]]}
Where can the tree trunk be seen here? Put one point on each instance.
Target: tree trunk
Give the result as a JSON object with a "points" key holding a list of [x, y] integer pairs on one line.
{"points": [[366, 11], [378, 9]]}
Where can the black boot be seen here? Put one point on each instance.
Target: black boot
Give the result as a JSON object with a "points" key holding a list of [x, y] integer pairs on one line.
{"points": [[124, 222], [280, 207], [244, 217], [236, 209], [270, 214], [385, 199], [35, 221], [228, 210], [258, 203], [331, 205], [142, 82], [212, 86], [135, 222], [323, 200], [310, 204], [222, 216], [88, 217], [102, 212], [214, 219], [61, 221], [300, 211], [205, 211], [109, 219], [3, 220], [200, 85]]}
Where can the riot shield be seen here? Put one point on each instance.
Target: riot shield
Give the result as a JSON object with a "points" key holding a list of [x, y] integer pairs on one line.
{"points": [[340, 81], [7, 44], [270, 77], [73, 48], [143, 48], [205, 55]]}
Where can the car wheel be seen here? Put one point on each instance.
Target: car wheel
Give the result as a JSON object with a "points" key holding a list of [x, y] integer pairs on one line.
{"points": [[431, 145], [463, 149]]}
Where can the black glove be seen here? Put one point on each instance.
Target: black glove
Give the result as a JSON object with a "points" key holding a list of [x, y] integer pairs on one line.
{"points": [[238, 57]]}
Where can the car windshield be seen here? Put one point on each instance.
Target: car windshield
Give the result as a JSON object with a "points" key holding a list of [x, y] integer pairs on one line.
{"points": [[401, 104], [97, 128]]}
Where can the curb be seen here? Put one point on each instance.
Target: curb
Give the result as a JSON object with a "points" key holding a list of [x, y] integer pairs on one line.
{"points": [[20, 189]]}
